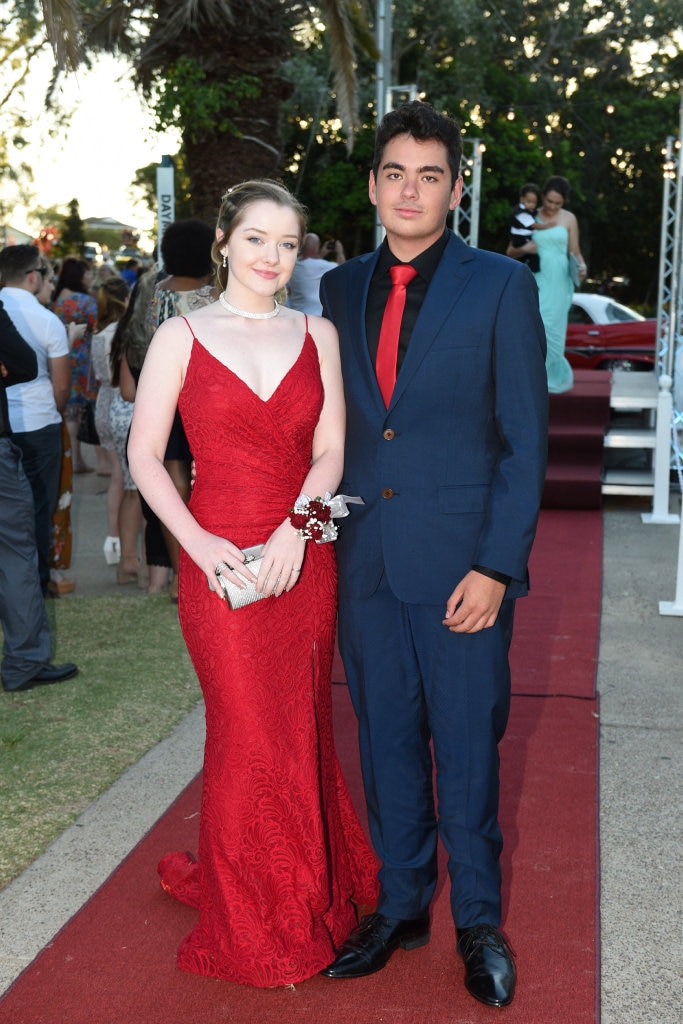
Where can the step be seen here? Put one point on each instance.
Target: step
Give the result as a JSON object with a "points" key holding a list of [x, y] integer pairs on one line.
{"points": [[566, 471], [628, 481], [572, 493], [630, 437], [634, 390]]}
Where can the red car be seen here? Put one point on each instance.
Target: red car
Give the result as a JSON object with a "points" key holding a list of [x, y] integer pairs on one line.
{"points": [[605, 335]]}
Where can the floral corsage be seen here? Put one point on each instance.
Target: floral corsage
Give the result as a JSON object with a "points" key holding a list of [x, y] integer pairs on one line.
{"points": [[313, 518]]}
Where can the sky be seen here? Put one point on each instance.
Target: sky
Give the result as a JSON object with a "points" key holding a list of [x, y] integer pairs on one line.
{"points": [[110, 136]]}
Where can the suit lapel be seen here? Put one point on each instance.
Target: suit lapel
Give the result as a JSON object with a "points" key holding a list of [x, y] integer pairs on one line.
{"points": [[356, 298]]}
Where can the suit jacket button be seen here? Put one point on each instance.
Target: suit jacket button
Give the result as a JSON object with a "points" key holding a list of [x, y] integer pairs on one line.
{"points": [[388, 435], [387, 492]]}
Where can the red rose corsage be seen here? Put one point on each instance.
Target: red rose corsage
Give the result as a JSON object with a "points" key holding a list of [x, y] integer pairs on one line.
{"points": [[312, 519]]}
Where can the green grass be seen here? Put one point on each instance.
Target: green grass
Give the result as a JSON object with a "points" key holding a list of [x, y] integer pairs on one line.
{"points": [[62, 746]]}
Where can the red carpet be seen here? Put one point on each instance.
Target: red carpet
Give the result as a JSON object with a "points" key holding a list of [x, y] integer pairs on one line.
{"points": [[555, 645], [114, 963], [576, 441]]}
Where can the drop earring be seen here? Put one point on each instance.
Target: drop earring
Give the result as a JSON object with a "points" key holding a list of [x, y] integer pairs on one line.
{"points": [[225, 260]]}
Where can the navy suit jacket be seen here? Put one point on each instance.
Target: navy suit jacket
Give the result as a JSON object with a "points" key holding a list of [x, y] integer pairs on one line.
{"points": [[452, 472]]}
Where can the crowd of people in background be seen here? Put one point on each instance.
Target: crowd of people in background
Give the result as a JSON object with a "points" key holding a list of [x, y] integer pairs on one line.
{"points": [[90, 328]]}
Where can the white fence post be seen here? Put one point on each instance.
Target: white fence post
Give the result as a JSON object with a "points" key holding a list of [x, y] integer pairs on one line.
{"points": [[675, 607], [662, 457]]}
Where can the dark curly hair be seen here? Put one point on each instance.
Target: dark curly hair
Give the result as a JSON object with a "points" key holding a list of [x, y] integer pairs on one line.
{"points": [[186, 248], [423, 122]]}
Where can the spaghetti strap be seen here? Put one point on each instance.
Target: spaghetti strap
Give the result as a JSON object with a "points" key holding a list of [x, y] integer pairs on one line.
{"points": [[189, 328], [306, 319]]}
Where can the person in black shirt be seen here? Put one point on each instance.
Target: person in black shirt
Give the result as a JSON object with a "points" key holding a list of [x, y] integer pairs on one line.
{"points": [[523, 223]]}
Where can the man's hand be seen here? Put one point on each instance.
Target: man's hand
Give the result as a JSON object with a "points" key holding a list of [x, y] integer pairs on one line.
{"points": [[474, 604]]}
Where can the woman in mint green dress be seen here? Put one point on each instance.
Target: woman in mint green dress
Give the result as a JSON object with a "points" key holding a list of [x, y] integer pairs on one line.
{"points": [[555, 238]]}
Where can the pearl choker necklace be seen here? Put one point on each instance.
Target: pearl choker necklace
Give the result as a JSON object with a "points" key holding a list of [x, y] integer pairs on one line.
{"points": [[245, 312]]}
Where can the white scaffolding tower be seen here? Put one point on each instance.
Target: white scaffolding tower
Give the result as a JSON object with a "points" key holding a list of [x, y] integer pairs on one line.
{"points": [[466, 214], [669, 450]]}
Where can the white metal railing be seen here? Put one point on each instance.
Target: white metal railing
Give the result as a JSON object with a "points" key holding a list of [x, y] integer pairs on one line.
{"points": [[669, 439], [675, 607], [466, 213], [670, 336]]}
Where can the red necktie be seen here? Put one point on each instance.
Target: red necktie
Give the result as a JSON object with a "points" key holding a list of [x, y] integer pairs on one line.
{"points": [[387, 349]]}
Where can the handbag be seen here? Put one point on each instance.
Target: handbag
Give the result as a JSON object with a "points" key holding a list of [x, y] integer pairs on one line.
{"points": [[240, 598], [87, 431], [574, 270]]}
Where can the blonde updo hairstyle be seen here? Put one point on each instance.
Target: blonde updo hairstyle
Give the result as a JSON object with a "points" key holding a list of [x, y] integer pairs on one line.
{"points": [[112, 301], [234, 205]]}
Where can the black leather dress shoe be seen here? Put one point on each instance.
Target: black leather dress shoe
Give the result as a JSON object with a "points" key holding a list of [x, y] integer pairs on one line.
{"points": [[370, 945], [46, 675], [490, 974]]}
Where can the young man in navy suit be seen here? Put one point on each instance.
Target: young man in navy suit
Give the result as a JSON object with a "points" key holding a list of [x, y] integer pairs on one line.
{"points": [[450, 460]]}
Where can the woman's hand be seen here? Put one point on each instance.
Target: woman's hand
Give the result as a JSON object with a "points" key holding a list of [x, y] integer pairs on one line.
{"points": [[283, 557], [518, 252], [210, 551]]}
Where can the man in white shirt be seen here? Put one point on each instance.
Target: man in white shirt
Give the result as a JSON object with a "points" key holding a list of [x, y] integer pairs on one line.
{"points": [[26, 632], [304, 284], [35, 407]]}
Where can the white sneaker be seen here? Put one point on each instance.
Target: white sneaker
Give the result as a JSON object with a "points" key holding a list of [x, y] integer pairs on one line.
{"points": [[112, 550]]}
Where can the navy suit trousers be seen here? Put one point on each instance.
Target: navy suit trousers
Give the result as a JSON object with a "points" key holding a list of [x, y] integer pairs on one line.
{"points": [[428, 699]]}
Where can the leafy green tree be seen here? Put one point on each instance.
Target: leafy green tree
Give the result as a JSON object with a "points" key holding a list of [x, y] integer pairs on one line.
{"points": [[331, 182], [72, 236], [213, 68], [22, 38], [145, 181], [586, 89]]}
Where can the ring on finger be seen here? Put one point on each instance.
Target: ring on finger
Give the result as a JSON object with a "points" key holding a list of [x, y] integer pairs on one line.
{"points": [[221, 567]]}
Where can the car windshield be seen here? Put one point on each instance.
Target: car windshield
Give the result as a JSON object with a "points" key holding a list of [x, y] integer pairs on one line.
{"points": [[616, 313]]}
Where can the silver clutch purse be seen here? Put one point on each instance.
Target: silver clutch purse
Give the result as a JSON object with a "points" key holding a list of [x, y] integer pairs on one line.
{"points": [[239, 598]]}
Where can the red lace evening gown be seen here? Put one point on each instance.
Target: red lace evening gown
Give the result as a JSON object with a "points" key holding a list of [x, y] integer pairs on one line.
{"points": [[282, 856]]}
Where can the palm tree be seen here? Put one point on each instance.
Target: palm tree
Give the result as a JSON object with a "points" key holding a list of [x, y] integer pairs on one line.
{"points": [[213, 67]]}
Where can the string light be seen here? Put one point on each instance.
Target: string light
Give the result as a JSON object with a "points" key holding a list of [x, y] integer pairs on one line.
{"points": [[670, 169]]}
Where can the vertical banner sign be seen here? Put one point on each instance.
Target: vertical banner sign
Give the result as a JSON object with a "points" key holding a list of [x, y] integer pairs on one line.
{"points": [[165, 200]]}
